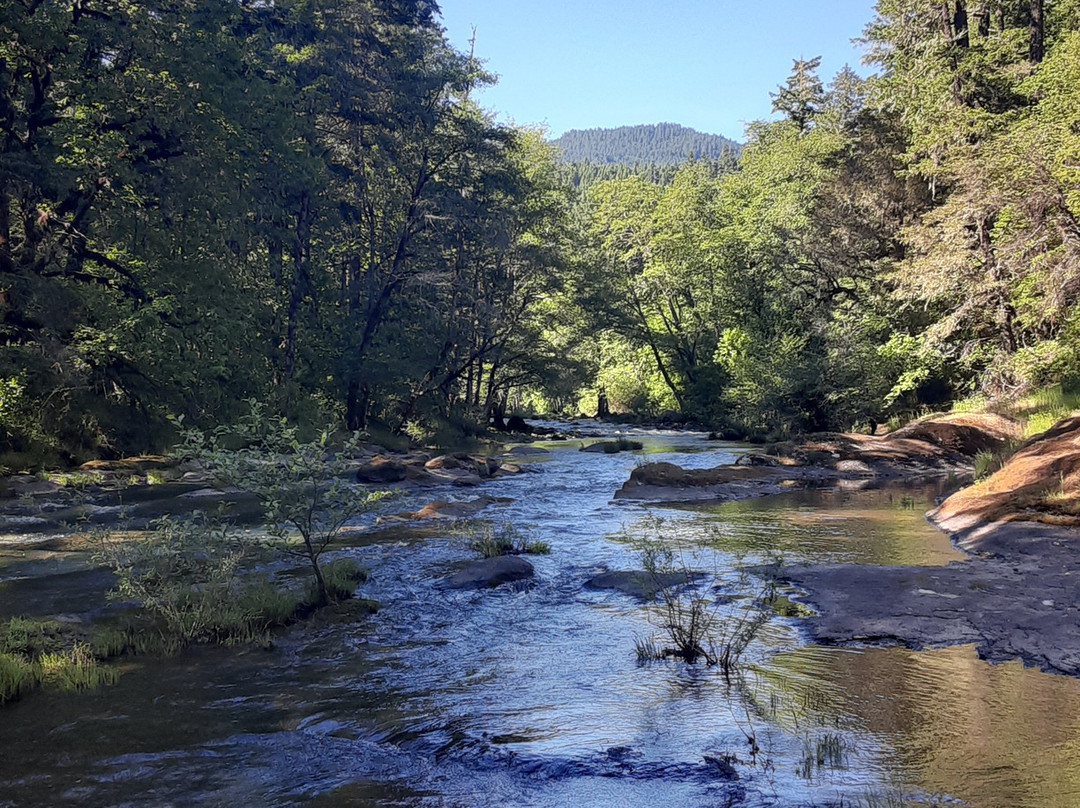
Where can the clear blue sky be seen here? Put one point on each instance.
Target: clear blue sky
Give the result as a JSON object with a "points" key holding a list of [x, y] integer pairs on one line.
{"points": [[705, 64]]}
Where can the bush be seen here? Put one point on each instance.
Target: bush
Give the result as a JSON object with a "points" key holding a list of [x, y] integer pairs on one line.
{"points": [[303, 485], [694, 626]]}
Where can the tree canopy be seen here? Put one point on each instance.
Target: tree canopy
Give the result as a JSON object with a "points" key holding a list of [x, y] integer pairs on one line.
{"points": [[300, 202]]}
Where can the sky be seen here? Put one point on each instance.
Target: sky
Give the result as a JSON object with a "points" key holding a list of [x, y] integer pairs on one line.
{"points": [[709, 65]]}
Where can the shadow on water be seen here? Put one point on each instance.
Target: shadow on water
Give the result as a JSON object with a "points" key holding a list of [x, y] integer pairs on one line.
{"points": [[532, 695]]}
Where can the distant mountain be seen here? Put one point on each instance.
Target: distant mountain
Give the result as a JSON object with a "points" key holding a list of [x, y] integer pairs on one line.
{"points": [[661, 143]]}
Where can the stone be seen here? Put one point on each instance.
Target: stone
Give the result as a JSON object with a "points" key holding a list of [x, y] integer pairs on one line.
{"points": [[638, 583], [524, 451], [491, 572], [468, 480], [382, 469]]}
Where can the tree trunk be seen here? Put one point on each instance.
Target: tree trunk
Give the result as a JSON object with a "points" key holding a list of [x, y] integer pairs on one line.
{"points": [[7, 265], [602, 409], [1036, 31], [356, 405], [300, 254], [960, 25], [983, 19]]}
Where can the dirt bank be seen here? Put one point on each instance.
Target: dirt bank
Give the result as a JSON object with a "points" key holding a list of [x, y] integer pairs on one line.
{"points": [[938, 444], [1040, 482]]}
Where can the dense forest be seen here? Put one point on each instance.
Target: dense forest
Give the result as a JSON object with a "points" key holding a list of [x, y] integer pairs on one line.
{"points": [[660, 144], [299, 202]]}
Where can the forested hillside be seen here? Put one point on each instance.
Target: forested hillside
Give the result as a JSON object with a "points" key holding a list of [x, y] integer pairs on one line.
{"points": [[886, 245], [202, 202], [660, 144]]}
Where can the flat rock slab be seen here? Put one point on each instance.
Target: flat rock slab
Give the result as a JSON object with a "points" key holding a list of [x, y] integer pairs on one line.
{"points": [[451, 510], [1019, 600], [525, 451], [640, 584], [491, 572]]}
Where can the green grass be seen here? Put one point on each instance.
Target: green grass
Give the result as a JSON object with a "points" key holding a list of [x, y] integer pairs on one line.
{"points": [[1037, 410], [16, 677], [342, 577], [42, 653], [506, 540]]}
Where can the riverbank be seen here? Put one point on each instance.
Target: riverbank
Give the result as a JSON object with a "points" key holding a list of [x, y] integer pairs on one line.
{"points": [[1017, 596]]}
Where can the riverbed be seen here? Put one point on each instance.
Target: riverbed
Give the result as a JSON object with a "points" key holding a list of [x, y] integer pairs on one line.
{"points": [[532, 694]]}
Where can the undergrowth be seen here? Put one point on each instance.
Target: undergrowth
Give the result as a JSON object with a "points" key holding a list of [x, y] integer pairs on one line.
{"points": [[492, 541], [45, 653]]}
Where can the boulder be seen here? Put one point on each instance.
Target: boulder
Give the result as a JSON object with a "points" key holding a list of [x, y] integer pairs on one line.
{"points": [[638, 583], [491, 572], [142, 463], [473, 464], [382, 469], [468, 480], [27, 485], [854, 467], [755, 459]]}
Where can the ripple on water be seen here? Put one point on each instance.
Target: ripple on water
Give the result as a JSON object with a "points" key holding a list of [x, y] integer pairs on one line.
{"points": [[533, 696]]}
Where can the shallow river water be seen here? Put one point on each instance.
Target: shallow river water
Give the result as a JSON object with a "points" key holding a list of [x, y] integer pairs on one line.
{"points": [[533, 695]]}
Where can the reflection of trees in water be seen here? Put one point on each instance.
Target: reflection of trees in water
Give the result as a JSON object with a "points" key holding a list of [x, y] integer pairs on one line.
{"points": [[943, 721], [875, 526]]}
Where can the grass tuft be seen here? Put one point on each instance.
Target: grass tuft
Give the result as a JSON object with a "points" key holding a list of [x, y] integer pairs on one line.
{"points": [[492, 542]]}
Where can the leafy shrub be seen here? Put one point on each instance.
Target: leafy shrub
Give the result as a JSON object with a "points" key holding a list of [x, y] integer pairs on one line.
{"points": [[303, 485]]}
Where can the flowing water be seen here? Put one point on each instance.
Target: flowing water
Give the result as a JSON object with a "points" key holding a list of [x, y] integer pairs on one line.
{"points": [[533, 695]]}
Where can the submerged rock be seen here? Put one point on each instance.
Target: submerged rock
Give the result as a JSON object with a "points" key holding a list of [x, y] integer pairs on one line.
{"points": [[613, 446], [491, 572], [640, 584], [524, 451], [441, 509]]}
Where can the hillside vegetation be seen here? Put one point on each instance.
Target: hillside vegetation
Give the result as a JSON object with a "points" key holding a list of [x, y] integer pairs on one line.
{"points": [[660, 144], [300, 203]]}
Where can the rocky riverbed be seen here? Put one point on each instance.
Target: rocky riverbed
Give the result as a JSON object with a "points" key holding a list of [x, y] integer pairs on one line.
{"points": [[472, 689]]}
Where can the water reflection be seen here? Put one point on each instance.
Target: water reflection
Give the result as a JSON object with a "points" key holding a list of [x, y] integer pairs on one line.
{"points": [[870, 526], [941, 723]]}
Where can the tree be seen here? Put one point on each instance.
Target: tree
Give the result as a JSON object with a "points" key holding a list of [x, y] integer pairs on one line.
{"points": [[802, 96]]}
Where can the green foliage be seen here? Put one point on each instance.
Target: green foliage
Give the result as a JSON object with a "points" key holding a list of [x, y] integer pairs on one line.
{"points": [[659, 144], [491, 541], [341, 577], [187, 576], [37, 653], [16, 677], [303, 486]]}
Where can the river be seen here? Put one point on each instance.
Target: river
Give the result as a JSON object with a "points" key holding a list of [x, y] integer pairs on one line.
{"points": [[533, 695]]}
